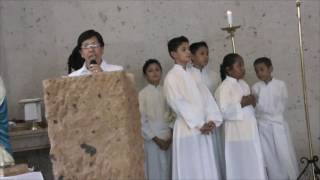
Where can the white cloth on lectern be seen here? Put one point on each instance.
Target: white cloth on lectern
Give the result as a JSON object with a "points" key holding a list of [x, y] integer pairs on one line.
{"points": [[25, 176]]}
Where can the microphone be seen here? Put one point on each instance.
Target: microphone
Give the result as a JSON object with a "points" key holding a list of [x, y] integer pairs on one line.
{"points": [[93, 61]]}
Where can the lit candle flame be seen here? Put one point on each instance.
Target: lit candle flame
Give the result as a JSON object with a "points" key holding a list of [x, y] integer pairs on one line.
{"points": [[229, 16]]}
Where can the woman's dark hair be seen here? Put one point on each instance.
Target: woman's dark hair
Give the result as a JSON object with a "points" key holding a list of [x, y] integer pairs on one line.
{"points": [[89, 34], [75, 61], [195, 46], [148, 63], [228, 61]]}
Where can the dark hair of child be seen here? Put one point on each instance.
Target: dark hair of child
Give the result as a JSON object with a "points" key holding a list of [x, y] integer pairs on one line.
{"points": [[263, 60], [148, 63], [228, 61], [195, 46], [75, 61], [174, 43]]}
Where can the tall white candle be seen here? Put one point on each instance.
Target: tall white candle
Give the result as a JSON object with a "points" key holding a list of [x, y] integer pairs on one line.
{"points": [[229, 15]]}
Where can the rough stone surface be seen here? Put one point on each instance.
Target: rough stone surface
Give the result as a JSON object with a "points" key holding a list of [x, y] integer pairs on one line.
{"points": [[94, 129]]}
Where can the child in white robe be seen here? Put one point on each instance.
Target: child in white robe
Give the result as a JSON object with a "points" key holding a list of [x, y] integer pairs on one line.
{"points": [[155, 121], [202, 74], [271, 95], [243, 154], [197, 115]]}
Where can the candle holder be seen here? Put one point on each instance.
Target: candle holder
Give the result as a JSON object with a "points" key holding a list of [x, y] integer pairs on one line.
{"points": [[32, 111], [313, 159], [231, 30]]}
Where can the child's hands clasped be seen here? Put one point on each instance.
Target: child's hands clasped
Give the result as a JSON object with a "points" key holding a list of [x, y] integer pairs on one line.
{"points": [[248, 100], [163, 144], [207, 128]]}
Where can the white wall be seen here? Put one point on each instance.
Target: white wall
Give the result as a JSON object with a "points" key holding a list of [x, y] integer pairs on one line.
{"points": [[37, 36]]}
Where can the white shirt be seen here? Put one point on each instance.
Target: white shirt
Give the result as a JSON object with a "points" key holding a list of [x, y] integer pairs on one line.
{"points": [[206, 75], [191, 101], [229, 95], [25, 176], [104, 66], [154, 113], [271, 99]]}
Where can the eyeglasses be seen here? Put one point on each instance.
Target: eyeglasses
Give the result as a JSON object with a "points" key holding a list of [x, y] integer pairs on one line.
{"points": [[89, 46]]}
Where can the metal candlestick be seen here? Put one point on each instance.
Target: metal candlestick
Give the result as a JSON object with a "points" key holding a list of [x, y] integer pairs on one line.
{"points": [[313, 159], [231, 30]]}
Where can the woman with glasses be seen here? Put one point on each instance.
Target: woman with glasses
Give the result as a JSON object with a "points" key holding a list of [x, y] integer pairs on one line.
{"points": [[86, 57]]}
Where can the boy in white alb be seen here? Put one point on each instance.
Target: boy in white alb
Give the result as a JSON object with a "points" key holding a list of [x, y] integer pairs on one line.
{"points": [[271, 95], [197, 115], [203, 74]]}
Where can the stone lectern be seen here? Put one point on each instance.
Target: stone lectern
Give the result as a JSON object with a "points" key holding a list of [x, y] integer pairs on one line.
{"points": [[94, 127]]}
